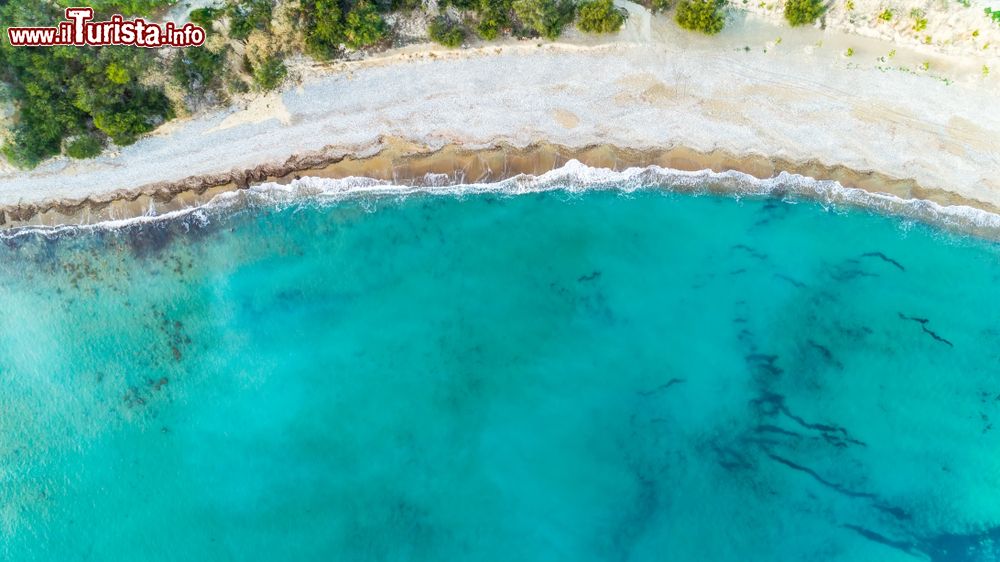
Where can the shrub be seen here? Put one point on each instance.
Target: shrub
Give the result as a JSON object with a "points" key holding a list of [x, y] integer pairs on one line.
{"points": [[405, 5], [446, 31], [659, 6], [205, 17], [117, 74], [886, 15], [494, 16], [247, 15], [86, 146], [199, 70], [324, 30], [125, 121], [600, 16], [363, 26], [488, 28], [124, 127], [270, 73], [63, 92], [803, 12], [460, 4], [545, 17], [127, 7], [705, 16]]}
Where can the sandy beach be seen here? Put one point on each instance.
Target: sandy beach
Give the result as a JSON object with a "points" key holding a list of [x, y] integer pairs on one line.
{"points": [[638, 293], [758, 93]]}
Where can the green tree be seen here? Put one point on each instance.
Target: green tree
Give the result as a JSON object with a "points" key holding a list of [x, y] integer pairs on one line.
{"points": [[270, 73], [364, 26], [803, 12], [86, 146], [460, 4], [117, 74], [404, 5], [205, 17], [446, 31], [324, 28], [494, 17], [546, 17], [125, 120], [63, 92], [199, 70], [705, 16], [247, 15], [600, 16]]}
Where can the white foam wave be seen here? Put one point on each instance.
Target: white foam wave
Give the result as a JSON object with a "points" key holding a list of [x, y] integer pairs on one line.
{"points": [[572, 177]]}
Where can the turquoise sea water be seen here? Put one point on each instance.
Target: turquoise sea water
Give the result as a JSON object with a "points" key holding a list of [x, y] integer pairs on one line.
{"points": [[554, 376]]}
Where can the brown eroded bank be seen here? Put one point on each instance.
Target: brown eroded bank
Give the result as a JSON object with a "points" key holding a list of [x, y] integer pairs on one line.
{"points": [[409, 163]]}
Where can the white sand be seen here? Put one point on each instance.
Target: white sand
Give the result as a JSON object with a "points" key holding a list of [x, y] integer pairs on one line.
{"points": [[654, 86]]}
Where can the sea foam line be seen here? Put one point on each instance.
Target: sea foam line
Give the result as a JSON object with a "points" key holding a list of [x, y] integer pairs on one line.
{"points": [[573, 177]]}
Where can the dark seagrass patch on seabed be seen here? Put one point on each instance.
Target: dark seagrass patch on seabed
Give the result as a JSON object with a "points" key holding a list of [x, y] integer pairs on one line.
{"points": [[149, 239], [142, 239], [885, 258], [175, 334], [923, 326]]}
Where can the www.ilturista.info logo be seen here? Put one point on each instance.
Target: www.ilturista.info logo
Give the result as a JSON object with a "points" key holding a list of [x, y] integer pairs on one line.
{"points": [[79, 30]]}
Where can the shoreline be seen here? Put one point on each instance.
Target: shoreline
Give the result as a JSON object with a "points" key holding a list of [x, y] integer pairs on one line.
{"points": [[655, 95], [407, 163], [396, 167]]}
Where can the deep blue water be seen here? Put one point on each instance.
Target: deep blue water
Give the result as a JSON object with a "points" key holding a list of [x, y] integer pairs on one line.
{"points": [[553, 376]]}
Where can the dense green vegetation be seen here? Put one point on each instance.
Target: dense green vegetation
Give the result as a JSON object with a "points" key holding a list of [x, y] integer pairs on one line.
{"points": [[269, 73], [600, 16], [363, 26], [205, 17], [803, 12], [75, 100], [66, 92], [992, 14], [705, 16], [402, 5], [199, 70], [446, 31], [245, 16], [124, 7], [322, 23], [329, 23], [490, 18], [545, 17], [86, 146], [495, 16]]}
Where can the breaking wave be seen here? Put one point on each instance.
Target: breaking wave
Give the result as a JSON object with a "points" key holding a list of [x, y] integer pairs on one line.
{"points": [[573, 177]]}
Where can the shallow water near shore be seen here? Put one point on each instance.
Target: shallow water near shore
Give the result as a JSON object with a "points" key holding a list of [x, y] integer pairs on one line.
{"points": [[561, 375]]}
